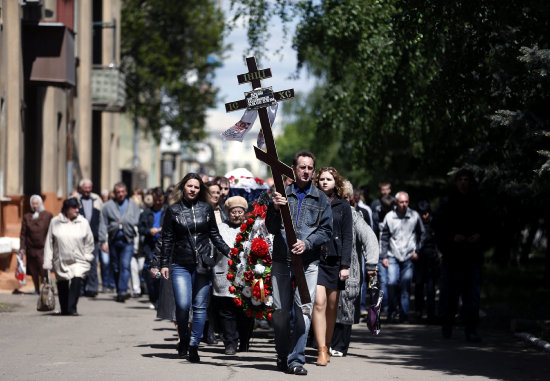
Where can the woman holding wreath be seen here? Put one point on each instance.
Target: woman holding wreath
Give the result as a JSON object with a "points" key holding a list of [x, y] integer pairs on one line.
{"points": [[236, 326], [334, 262], [189, 226]]}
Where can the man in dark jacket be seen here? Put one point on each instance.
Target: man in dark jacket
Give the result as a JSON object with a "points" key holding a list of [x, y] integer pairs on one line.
{"points": [[90, 207], [150, 226], [459, 226], [312, 218], [426, 268]]}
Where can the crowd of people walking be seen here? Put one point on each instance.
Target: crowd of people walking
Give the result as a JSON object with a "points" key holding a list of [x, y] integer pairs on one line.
{"points": [[174, 246]]}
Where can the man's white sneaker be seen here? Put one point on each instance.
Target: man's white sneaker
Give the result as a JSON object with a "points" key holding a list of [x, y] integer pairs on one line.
{"points": [[334, 353]]}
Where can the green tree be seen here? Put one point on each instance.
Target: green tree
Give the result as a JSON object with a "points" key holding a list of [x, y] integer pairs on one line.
{"points": [[415, 87], [301, 133], [169, 54]]}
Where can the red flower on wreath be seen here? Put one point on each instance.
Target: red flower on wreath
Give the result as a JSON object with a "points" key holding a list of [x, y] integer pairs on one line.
{"points": [[234, 251], [259, 210], [230, 262], [259, 247], [269, 316], [238, 302], [238, 238], [244, 226], [230, 276], [232, 289], [248, 312], [259, 315], [249, 276], [250, 221]]}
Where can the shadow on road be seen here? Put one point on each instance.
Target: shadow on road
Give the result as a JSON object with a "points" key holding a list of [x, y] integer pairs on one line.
{"points": [[422, 347]]}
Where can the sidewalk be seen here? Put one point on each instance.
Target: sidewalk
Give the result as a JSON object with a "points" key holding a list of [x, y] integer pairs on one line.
{"points": [[124, 341]]}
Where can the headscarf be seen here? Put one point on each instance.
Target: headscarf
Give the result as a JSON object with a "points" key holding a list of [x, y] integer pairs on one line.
{"points": [[40, 208]]}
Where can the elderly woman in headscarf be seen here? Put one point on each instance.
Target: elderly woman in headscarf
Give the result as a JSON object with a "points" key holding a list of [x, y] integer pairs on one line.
{"points": [[33, 236], [69, 251]]}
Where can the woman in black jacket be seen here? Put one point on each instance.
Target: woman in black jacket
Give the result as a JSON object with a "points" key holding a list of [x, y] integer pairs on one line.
{"points": [[334, 262], [189, 226]]}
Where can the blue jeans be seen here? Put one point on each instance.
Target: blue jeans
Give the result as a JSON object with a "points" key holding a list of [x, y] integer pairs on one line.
{"points": [[121, 253], [107, 278], [400, 276], [91, 282], [191, 290], [284, 300], [384, 280]]}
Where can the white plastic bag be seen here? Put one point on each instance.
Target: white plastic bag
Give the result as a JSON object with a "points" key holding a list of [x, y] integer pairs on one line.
{"points": [[21, 269]]}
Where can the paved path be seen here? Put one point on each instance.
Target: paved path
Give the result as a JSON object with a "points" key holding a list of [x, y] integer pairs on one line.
{"points": [[125, 342]]}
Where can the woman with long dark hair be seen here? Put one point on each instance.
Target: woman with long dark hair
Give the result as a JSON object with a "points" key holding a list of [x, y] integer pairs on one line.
{"points": [[334, 262], [189, 226]]}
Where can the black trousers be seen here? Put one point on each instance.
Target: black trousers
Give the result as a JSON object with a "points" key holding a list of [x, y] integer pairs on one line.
{"points": [[235, 325], [341, 338], [68, 293], [461, 279]]}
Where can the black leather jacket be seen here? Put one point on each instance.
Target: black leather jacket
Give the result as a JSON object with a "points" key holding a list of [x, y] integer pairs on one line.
{"points": [[176, 242]]}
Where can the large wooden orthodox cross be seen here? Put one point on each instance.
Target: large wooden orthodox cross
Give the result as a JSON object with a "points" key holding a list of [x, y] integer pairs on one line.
{"points": [[259, 99]]}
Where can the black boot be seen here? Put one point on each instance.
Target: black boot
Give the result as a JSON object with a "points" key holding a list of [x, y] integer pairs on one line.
{"points": [[194, 354], [211, 336], [183, 346]]}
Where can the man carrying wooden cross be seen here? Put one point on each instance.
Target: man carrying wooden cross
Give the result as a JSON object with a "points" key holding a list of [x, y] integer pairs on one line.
{"points": [[312, 219]]}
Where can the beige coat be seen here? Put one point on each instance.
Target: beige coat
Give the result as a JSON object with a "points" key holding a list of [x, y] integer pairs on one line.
{"points": [[69, 247]]}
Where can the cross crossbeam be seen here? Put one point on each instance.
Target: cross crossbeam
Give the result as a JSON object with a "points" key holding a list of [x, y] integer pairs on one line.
{"points": [[271, 158]]}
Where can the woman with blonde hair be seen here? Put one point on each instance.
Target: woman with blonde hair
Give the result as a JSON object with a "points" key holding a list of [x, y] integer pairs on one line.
{"points": [[334, 262]]}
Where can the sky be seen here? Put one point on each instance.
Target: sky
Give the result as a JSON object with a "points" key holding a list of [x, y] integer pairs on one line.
{"points": [[283, 66]]}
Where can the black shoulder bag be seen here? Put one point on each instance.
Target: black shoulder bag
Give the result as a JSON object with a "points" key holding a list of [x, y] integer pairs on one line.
{"points": [[206, 260]]}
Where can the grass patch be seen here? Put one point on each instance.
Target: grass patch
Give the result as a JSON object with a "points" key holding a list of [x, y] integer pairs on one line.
{"points": [[7, 307], [515, 299]]}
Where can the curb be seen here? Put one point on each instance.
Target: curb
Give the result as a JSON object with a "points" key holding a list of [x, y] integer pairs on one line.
{"points": [[532, 340]]}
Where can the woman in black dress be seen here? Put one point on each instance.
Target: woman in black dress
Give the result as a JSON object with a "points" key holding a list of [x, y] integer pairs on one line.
{"points": [[334, 262]]}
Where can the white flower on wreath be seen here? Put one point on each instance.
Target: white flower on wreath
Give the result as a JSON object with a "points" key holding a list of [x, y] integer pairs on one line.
{"points": [[269, 300], [255, 302], [246, 247], [247, 292], [239, 277], [259, 269]]}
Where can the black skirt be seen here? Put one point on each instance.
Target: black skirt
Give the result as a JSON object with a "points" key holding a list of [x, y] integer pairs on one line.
{"points": [[329, 274]]}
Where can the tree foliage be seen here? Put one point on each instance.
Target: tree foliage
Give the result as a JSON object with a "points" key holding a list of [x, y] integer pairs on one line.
{"points": [[169, 53], [418, 88]]}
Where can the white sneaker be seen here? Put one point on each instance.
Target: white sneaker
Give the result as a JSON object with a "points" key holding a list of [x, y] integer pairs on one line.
{"points": [[151, 306], [334, 353]]}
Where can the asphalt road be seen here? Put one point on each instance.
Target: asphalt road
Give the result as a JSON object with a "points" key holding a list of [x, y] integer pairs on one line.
{"points": [[124, 341]]}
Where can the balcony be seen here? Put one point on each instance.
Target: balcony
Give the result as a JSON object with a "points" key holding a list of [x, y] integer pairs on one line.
{"points": [[108, 88]]}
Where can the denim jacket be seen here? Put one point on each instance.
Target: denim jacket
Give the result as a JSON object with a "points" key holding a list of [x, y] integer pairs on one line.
{"points": [[314, 225]]}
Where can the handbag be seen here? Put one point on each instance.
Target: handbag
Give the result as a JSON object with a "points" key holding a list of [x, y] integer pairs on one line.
{"points": [[206, 260], [46, 300], [374, 301]]}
